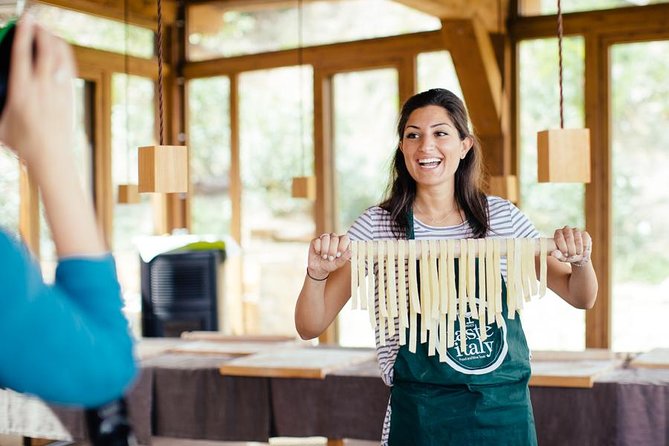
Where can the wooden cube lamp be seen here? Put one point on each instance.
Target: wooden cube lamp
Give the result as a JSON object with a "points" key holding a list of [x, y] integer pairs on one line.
{"points": [[304, 187], [505, 186], [127, 194], [163, 169], [563, 156]]}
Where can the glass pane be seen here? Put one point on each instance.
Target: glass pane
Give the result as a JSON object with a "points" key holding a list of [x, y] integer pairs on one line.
{"points": [[546, 7], [132, 127], [276, 228], [640, 146], [209, 140], [83, 154], [436, 70], [550, 323], [217, 31], [95, 32], [365, 117], [9, 191]]}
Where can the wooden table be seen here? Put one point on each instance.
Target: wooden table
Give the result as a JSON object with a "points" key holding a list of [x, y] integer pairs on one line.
{"points": [[191, 399]]}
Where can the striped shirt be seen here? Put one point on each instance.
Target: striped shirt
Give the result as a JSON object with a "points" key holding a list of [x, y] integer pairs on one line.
{"points": [[506, 221]]}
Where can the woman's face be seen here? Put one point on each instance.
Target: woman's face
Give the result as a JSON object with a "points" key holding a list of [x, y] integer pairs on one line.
{"points": [[432, 147]]}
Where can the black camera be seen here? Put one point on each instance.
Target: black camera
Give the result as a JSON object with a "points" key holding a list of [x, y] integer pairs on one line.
{"points": [[6, 41]]}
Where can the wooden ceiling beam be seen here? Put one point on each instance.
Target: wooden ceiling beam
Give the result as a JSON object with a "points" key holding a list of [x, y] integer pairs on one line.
{"points": [[617, 20], [92, 59], [338, 56], [476, 65], [486, 12], [140, 12]]}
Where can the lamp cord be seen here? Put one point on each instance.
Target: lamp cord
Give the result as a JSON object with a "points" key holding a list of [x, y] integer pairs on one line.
{"points": [[300, 61], [559, 35], [160, 70]]}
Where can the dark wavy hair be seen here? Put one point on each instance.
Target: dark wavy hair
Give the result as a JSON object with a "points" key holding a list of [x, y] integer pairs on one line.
{"points": [[469, 196]]}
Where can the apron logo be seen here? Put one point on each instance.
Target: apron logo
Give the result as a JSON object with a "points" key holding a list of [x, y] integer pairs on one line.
{"points": [[479, 356]]}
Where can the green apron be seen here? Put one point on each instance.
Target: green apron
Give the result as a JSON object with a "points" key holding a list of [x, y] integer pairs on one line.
{"points": [[479, 397]]}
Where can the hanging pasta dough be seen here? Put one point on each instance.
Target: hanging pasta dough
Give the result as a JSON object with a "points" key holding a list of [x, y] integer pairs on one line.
{"points": [[384, 280]]}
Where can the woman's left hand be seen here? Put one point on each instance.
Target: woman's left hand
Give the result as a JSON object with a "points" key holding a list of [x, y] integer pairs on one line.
{"points": [[573, 246]]}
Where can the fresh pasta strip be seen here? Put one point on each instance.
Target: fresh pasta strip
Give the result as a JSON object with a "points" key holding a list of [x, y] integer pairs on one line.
{"points": [[380, 253], [518, 271], [462, 294], [354, 275], [471, 277], [362, 277], [443, 278], [497, 276], [453, 295], [432, 336], [482, 289], [434, 280], [490, 280], [402, 287], [370, 284], [543, 266], [531, 270], [534, 284], [524, 273], [462, 279], [413, 322], [391, 289], [425, 287], [510, 278], [442, 337], [413, 280]]}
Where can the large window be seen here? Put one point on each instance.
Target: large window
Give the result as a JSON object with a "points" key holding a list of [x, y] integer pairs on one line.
{"points": [[132, 127], [209, 141], [545, 7], [550, 323], [95, 32], [216, 31], [640, 149], [436, 70], [365, 140], [276, 145]]}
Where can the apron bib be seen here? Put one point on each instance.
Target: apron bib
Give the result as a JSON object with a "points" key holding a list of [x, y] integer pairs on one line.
{"points": [[479, 397]]}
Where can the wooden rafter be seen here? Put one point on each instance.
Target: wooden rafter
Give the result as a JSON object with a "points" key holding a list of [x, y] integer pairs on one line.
{"points": [[487, 11], [140, 12]]}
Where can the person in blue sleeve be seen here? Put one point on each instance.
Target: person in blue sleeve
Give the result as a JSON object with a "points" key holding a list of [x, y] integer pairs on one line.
{"points": [[67, 343]]}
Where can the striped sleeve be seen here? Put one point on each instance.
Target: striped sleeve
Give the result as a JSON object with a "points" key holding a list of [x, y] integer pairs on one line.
{"points": [[363, 227], [522, 226]]}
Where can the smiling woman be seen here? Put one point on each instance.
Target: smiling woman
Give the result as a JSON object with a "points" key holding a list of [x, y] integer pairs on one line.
{"points": [[435, 193]]}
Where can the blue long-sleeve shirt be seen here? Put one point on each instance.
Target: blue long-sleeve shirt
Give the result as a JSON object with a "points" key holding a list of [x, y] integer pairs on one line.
{"points": [[67, 343]]}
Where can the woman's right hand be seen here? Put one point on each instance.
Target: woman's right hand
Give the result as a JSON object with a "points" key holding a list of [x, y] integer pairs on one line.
{"points": [[327, 253]]}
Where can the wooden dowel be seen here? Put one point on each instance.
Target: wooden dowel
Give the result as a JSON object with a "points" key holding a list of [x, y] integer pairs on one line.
{"points": [[537, 247]]}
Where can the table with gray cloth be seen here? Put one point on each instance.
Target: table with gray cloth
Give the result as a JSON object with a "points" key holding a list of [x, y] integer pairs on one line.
{"points": [[626, 407], [192, 400], [185, 396]]}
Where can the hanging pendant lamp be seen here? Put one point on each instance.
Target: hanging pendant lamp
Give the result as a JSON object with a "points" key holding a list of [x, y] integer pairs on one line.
{"points": [[304, 186], [162, 168], [126, 193], [563, 154]]}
